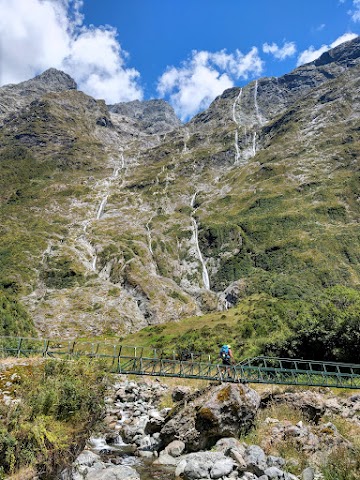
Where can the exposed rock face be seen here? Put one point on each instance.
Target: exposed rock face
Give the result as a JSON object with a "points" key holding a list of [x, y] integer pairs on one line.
{"points": [[152, 116], [128, 208], [262, 100], [226, 410], [14, 97]]}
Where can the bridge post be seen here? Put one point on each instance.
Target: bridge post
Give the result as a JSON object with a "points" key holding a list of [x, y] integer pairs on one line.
{"points": [[19, 347], [46, 348], [118, 368], [72, 348]]}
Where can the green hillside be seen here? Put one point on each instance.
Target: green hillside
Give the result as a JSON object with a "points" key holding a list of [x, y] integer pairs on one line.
{"points": [[107, 229]]}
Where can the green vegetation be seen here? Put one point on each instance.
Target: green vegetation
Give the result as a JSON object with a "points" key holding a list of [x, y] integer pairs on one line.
{"points": [[338, 463], [14, 320], [343, 464], [57, 404], [283, 225], [323, 328]]}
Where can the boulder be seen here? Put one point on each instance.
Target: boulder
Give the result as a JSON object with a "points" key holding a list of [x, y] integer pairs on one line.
{"points": [[308, 474], [120, 472], [202, 465], [179, 393], [175, 448], [221, 411], [238, 459], [225, 445], [255, 460], [166, 459], [274, 473], [221, 468], [155, 423]]}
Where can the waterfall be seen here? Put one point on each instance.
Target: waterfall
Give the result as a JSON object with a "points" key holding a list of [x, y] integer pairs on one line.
{"points": [[186, 138], [149, 237], [205, 274], [237, 151], [237, 99], [192, 202], [101, 208], [254, 144]]}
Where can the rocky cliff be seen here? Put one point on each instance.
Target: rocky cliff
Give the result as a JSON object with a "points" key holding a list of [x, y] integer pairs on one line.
{"points": [[115, 218]]}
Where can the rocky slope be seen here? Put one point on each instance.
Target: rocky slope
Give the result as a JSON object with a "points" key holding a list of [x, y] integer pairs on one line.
{"points": [[14, 97], [118, 217], [314, 435]]}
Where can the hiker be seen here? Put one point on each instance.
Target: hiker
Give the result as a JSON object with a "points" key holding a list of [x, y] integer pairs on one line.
{"points": [[226, 357]]}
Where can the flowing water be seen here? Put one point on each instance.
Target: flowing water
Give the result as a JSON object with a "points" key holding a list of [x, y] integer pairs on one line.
{"points": [[120, 453], [205, 274], [237, 99], [254, 144], [101, 208], [236, 140]]}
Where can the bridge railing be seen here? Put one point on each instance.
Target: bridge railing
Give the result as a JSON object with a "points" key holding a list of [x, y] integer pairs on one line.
{"points": [[148, 361], [25, 346]]}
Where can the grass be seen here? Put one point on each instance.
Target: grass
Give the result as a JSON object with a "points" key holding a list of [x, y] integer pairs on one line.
{"points": [[284, 224], [57, 404], [318, 329], [339, 463]]}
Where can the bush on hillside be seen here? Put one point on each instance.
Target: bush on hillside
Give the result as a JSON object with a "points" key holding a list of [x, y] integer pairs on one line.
{"points": [[14, 319], [58, 404]]}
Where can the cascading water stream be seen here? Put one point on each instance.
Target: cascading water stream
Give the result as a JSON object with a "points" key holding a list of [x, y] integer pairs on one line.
{"points": [[101, 208], [205, 274], [254, 144], [100, 213], [237, 151], [186, 138], [149, 237], [237, 99]]}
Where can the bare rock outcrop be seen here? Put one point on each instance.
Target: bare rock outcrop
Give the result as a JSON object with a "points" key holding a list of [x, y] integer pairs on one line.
{"points": [[222, 411]]}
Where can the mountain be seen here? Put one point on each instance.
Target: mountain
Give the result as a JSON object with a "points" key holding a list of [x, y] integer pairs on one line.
{"points": [[14, 97], [119, 217]]}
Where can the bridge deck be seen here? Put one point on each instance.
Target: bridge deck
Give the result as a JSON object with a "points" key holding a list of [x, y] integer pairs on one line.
{"points": [[146, 361]]}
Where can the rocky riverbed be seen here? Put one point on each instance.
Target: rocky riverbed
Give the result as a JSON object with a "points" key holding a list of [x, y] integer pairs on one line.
{"points": [[198, 438]]}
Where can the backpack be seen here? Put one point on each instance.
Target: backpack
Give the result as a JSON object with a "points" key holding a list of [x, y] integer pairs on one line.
{"points": [[224, 352]]}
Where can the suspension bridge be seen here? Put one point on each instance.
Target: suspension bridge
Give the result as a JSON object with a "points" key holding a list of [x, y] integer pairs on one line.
{"points": [[134, 360]]}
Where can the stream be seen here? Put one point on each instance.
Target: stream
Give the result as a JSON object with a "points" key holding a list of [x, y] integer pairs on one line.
{"points": [[129, 441], [120, 453]]}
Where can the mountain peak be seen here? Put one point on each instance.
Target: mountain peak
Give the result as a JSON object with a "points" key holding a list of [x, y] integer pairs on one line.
{"points": [[343, 54], [154, 116], [52, 80], [15, 96]]}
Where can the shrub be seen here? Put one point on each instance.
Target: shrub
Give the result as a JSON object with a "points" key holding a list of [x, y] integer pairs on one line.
{"points": [[59, 402]]}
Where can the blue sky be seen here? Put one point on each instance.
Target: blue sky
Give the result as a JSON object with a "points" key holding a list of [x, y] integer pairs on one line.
{"points": [[186, 51]]}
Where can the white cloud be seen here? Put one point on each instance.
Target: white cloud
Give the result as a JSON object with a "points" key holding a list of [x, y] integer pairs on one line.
{"points": [[205, 75], [39, 34], [312, 54], [287, 50], [346, 37], [355, 13]]}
